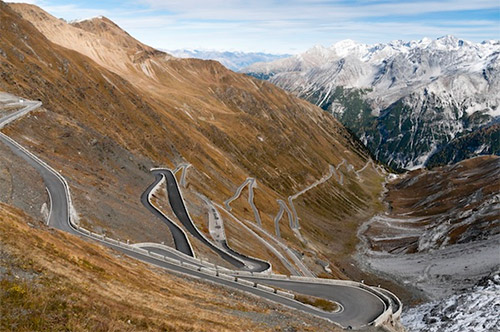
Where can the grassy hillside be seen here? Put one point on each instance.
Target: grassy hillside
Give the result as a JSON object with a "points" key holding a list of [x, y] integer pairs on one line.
{"points": [[65, 283]]}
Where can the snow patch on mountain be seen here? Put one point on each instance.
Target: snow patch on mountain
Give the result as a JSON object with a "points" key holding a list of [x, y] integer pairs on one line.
{"points": [[98, 17], [473, 310]]}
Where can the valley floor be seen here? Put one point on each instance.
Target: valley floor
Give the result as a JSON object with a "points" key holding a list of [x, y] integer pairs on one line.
{"points": [[440, 240], [439, 273]]}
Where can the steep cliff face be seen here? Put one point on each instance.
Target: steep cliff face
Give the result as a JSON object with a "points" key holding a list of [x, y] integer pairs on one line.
{"points": [[405, 101], [115, 108]]}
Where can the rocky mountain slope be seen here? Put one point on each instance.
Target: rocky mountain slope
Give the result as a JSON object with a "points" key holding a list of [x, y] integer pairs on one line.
{"points": [[114, 108], [404, 100], [232, 60], [432, 209], [473, 309], [440, 236], [483, 140]]}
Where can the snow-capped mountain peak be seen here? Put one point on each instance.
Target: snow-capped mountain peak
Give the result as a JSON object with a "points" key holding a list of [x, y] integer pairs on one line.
{"points": [[438, 88], [446, 43], [349, 47]]}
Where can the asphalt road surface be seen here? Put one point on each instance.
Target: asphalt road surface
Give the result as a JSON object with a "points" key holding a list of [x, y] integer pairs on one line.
{"points": [[180, 240], [28, 107], [59, 214], [360, 307]]}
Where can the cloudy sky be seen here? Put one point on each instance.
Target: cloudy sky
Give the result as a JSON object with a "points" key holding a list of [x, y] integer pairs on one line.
{"points": [[292, 26]]}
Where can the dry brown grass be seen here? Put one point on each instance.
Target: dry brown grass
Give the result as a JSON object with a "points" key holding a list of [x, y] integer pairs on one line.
{"points": [[64, 283], [317, 302]]}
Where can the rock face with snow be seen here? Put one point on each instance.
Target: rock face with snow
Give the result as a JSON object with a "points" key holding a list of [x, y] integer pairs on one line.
{"points": [[404, 100], [473, 310]]}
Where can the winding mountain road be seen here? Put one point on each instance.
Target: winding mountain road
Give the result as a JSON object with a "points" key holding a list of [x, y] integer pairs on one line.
{"points": [[350, 298], [360, 307], [181, 240], [250, 182], [179, 208]]}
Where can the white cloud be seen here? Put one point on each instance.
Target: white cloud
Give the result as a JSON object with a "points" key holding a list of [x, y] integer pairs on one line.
{"points": [[308, 10], [31, 2]]}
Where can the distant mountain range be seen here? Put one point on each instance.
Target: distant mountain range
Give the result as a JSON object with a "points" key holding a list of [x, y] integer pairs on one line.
{"points": [[409, 102], [232, 60]]}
